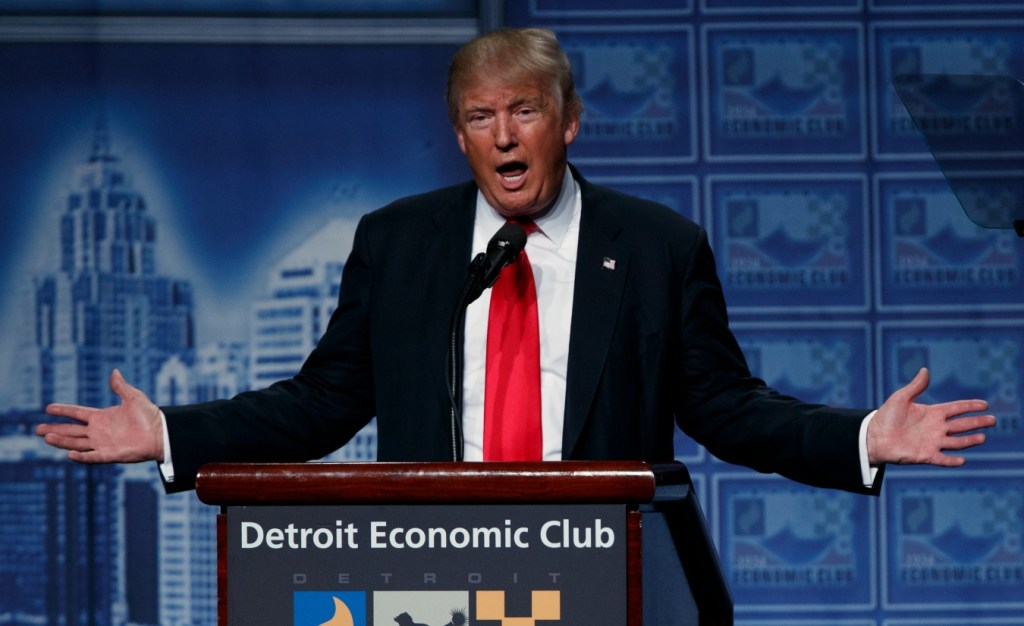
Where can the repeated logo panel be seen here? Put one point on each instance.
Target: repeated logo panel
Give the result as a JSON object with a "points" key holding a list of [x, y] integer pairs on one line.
{"points": [[637, 86], [931, 257], [783, 545], [784, 93], [791, 243], [954, 543]]}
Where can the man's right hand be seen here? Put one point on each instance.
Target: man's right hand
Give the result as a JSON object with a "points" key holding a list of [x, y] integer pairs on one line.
{"points": [[128, 433]]}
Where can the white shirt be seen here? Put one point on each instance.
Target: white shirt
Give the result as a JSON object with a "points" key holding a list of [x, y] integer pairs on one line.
{"points": [[552, 253]]}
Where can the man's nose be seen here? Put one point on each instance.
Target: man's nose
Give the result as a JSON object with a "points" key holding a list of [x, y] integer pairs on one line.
{"points": [[504, 132]]}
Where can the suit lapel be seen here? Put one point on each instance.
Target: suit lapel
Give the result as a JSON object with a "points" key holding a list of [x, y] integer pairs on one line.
{"points": [[602, 264]]}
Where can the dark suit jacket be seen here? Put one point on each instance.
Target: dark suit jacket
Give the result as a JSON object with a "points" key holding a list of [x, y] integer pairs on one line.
{"points": [[650, 347]]}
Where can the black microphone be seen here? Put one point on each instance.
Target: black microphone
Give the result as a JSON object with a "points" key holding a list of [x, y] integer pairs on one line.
{"points": [[502, 249]]}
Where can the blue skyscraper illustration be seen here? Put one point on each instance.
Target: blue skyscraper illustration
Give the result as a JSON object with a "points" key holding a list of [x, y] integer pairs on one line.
{"points": [[106, 306]]}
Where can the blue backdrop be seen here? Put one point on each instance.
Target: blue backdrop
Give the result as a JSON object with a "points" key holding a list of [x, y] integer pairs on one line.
{"points": [[230, 147]]}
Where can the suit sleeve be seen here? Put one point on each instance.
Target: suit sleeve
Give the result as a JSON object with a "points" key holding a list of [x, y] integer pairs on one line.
{"points": [[302, 418], [735, 415]]}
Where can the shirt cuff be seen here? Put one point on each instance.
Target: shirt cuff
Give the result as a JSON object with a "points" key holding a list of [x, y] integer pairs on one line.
{"points": [[165, 466], [868, 472]]}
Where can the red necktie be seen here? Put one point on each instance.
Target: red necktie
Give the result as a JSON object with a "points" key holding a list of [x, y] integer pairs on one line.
{"points": [[512, 430]]}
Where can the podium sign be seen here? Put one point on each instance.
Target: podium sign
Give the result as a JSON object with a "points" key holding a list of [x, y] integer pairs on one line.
{"points": [[369, 564], [453, 544]]}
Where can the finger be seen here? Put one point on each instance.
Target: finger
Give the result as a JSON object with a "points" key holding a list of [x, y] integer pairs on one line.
{"points": [[947, 460], [916, 386], [68, 443], [964, 442], [967, 424], [74, 411], [118, 383], [960, 407], [85, 456], [61, 430], [120, 386]]}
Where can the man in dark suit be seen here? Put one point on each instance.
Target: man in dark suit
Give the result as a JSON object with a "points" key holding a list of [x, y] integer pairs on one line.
{"points": [[634, 334]]}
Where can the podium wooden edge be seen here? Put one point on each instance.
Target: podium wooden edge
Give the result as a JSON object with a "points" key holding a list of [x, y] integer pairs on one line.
{"points": [[234, 484]]}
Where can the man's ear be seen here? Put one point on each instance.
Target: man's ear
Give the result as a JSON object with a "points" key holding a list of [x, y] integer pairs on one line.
{"points": [[572, 129], [460, 137]]}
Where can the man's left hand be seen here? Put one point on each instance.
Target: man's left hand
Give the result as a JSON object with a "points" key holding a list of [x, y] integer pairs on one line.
{"points": [[906, 432]]}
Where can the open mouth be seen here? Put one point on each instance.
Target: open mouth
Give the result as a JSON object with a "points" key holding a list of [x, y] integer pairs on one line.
{"points": [[512, 172]]}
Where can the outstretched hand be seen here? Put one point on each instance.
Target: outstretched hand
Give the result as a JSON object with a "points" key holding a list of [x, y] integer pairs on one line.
{"points": [[906, 432], [127, 433]]}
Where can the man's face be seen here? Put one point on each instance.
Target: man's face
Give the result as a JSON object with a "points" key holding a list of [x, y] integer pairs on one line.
{"points": [[515, 138]]}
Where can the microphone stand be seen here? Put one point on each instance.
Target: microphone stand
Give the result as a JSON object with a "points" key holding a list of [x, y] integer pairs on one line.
{"points": [[453, 366]]}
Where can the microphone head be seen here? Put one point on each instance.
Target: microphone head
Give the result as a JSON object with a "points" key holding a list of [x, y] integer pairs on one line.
{"points": [[503, 248], [511, 238]]}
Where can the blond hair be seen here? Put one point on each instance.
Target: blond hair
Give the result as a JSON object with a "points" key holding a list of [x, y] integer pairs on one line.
{"points": [[513, 54]]}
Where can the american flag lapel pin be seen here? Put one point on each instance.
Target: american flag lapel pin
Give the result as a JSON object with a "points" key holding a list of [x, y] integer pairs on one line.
{"points": [[608, 263]]}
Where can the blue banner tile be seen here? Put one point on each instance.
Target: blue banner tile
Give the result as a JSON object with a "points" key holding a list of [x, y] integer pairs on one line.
{"points": [[932, 257], [610, 8], [679, 193], [784, 544], [953, 540], [901, 49], [966, 360], [934, 6], [759, 7], [790, 243], [637, 86], [792, 93], [820, 363], [361, 8]]}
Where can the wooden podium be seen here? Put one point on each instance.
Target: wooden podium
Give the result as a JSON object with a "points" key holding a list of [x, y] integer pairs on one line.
{"points": [[670, 577]]}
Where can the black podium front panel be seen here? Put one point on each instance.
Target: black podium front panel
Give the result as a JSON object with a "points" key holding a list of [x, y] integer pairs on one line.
{"points": [[426, 564]]}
